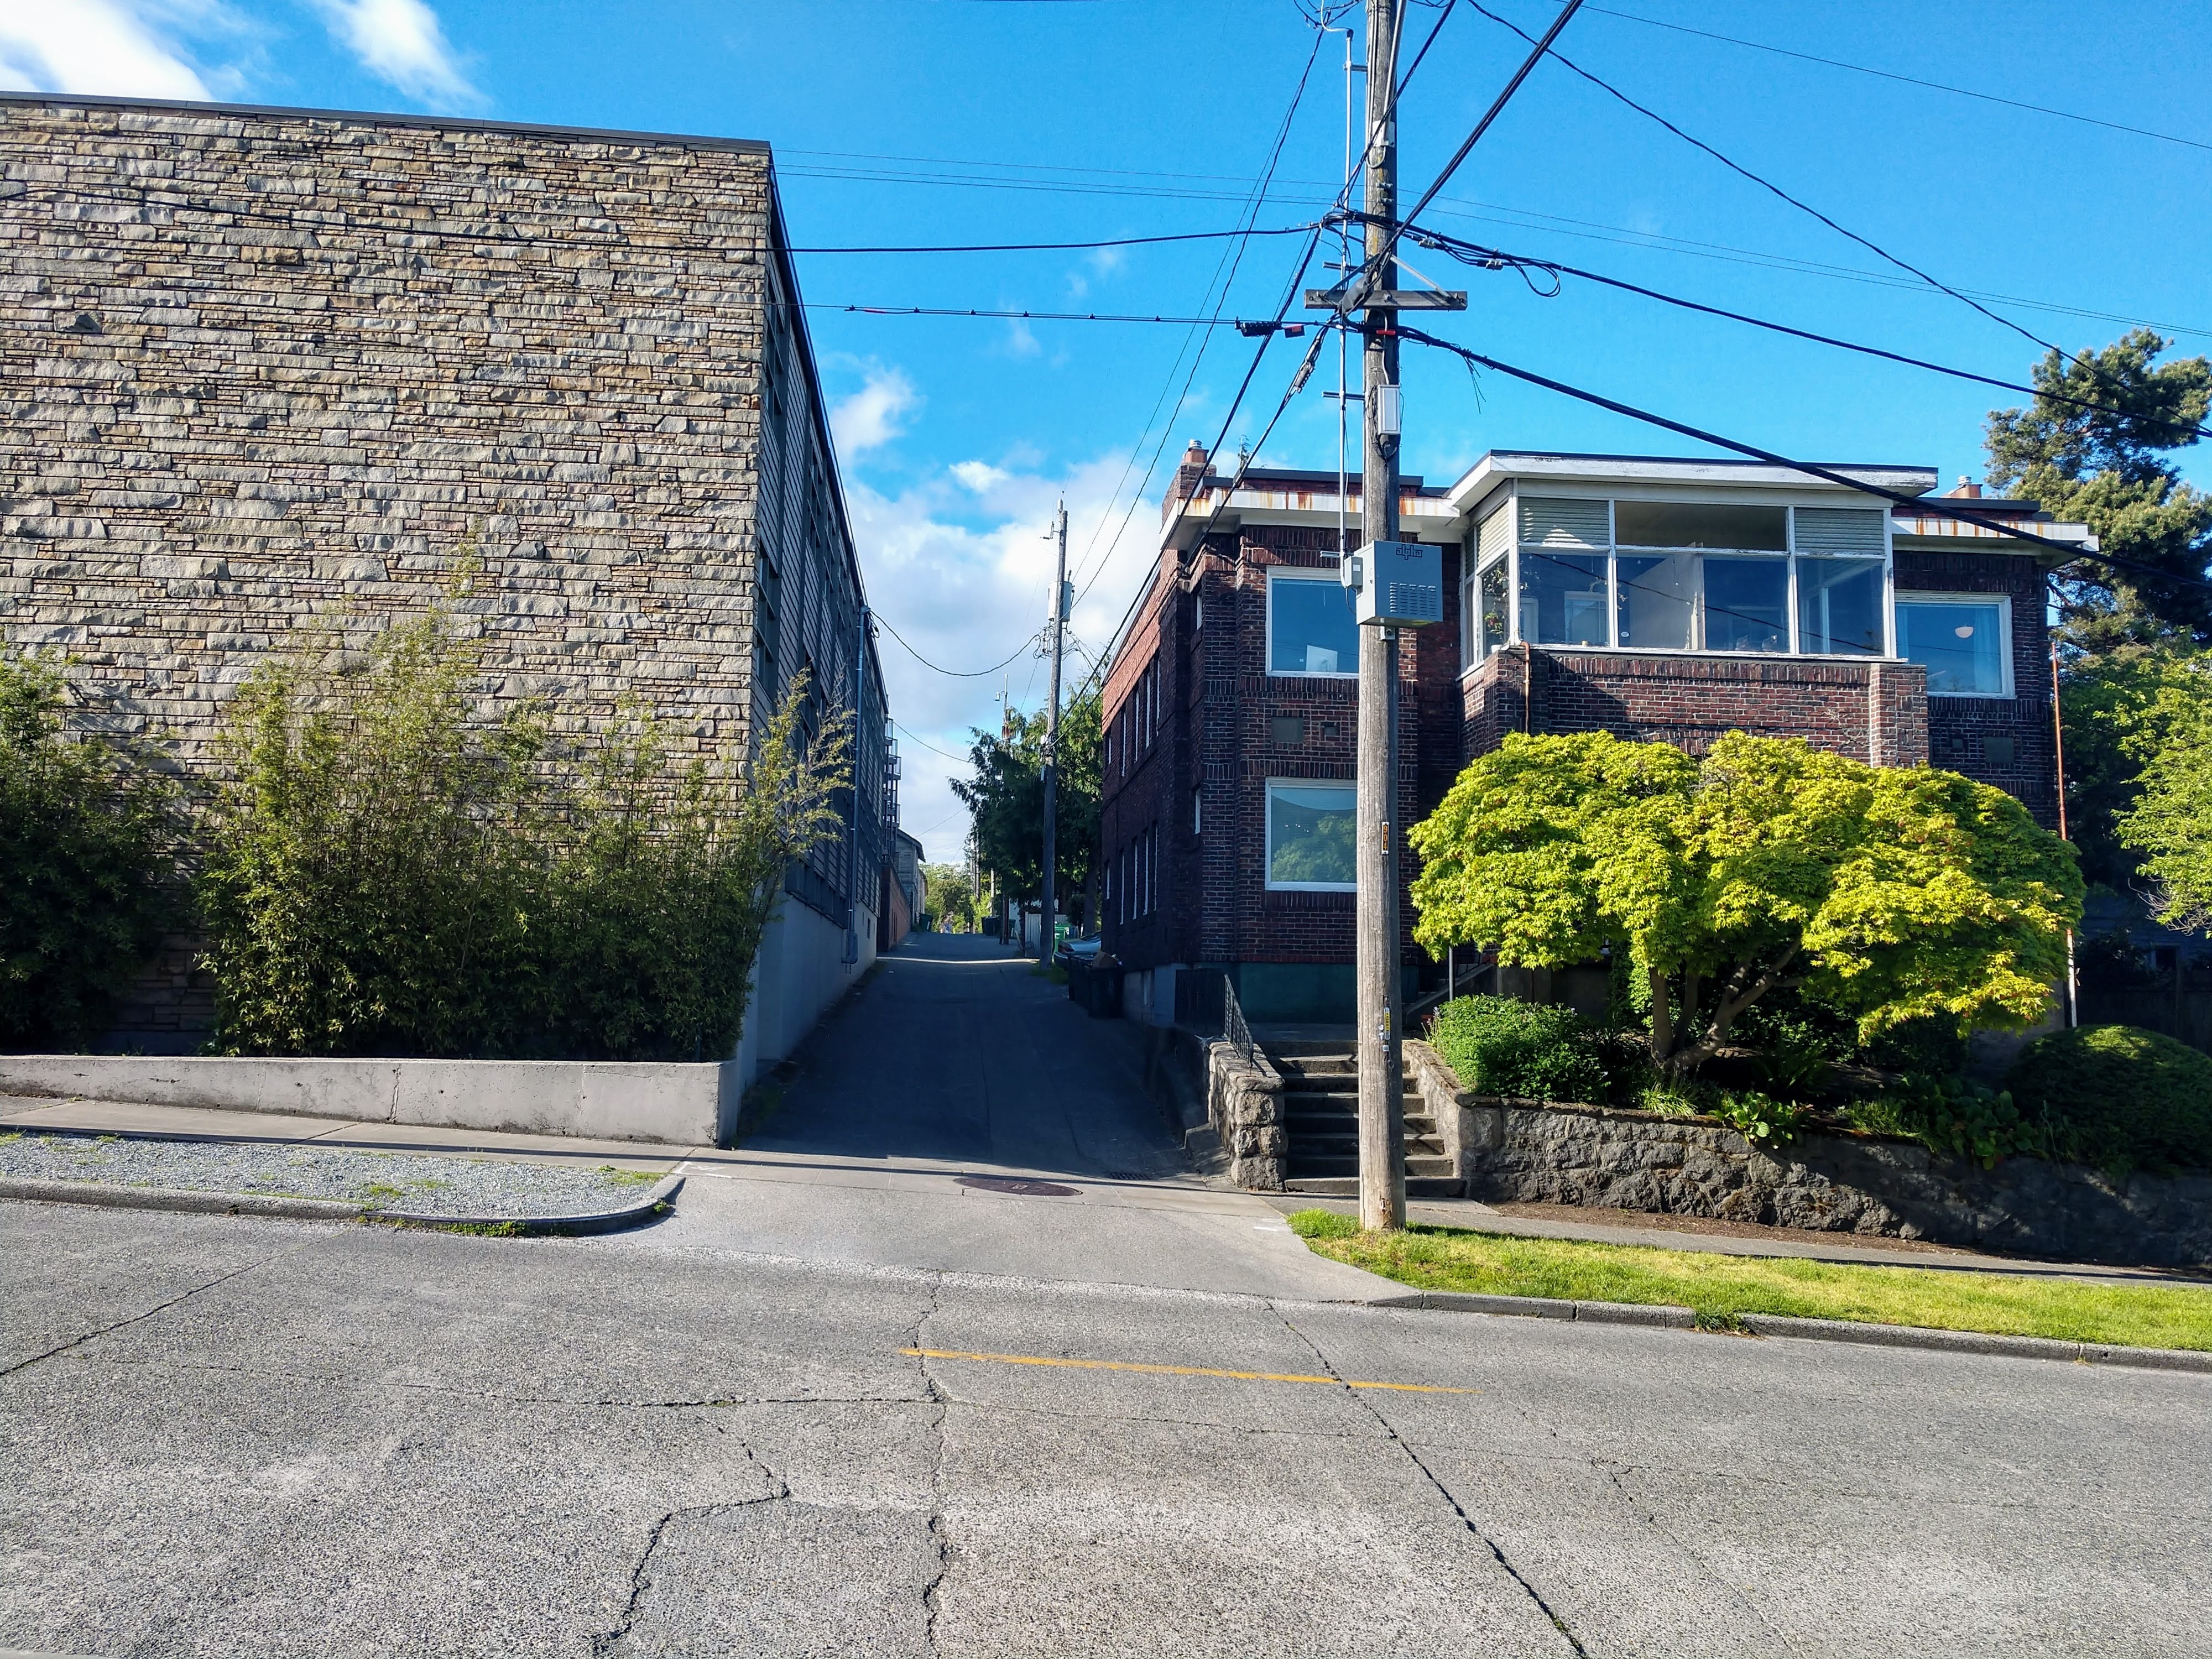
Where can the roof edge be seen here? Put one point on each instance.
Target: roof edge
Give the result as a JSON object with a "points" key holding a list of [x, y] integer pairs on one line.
{"points": [[393, 118]]}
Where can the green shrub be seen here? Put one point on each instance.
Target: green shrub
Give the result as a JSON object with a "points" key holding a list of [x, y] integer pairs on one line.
{"points": [[388, 874], [1961, 1118], [89, 854], [2127, 1097], [1499, 1046]]}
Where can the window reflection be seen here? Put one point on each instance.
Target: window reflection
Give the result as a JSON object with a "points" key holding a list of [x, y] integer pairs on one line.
{"points": [[1310, 626], [1961, 642]]}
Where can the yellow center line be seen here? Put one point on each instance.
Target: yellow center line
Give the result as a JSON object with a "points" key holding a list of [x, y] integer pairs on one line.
{"points": [[1176, 1370]]}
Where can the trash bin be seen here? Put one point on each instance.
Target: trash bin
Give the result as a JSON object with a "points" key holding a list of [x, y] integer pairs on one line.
{"points": [[1105, 990], [1079, 981]]}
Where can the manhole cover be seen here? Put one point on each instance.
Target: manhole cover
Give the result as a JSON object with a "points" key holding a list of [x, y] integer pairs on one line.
{"points": [[1018, 1188]]}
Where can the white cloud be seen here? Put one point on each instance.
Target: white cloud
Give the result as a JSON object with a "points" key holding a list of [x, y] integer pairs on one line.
{"points": [[401, 43], [121, 48], [870, 418], [959, 564]]}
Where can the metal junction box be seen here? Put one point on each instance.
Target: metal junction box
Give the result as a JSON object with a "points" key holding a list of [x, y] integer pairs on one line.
{"points": [[1398, 584]]}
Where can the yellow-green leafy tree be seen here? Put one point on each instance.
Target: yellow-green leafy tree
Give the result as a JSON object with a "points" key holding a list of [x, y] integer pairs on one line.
{"points": [[1894, 894]]}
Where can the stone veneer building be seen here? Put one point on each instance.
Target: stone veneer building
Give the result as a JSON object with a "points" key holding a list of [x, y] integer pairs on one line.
{"points": [[263, 370], [1660, 599]]}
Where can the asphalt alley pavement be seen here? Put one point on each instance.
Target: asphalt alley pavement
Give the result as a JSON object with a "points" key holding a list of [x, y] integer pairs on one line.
{"points": [[824, 1410]]}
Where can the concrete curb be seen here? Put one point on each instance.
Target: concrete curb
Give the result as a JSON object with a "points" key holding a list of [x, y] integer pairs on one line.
{"points": [[102, 1196], [2018, 1347], [1814, 1330], [1537, 1307]]}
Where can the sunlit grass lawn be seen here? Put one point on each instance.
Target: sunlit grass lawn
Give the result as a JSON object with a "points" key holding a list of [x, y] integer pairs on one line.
{"points": [[1719, 1288]]}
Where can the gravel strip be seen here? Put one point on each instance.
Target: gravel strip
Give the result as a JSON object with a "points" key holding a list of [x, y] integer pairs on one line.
{"points": [[416, 1182]]}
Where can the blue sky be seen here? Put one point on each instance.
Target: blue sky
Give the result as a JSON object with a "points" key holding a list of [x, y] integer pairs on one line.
{"points": [[936, 121]]}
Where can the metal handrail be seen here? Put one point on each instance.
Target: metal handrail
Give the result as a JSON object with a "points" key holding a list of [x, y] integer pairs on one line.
{"points": [[1233, 1031]]}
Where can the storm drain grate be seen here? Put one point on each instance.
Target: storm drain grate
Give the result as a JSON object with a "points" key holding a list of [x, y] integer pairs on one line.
{"points": [[1018, 1188]]}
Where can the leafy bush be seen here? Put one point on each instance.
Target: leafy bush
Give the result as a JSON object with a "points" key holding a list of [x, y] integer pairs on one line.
{"points": [[1503, 1046], [1759, 1117], [386, 873], [2127, 1097], [88, 853], [1961, 1118]]}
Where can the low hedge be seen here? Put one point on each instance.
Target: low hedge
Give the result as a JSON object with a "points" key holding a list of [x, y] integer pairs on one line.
{"points": [[2127, 1097], [1499, 1046]]}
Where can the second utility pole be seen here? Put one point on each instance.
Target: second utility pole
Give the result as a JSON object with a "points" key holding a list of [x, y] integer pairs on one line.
{"points": [[1054, 630], [1382, 1096]]}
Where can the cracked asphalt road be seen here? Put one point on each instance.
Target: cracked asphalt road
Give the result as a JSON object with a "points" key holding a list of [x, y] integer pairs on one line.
{"points": [[719, 1436]]}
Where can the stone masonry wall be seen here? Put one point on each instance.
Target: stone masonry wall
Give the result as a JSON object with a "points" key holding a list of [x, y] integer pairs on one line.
{"points": [[1538, 1152], [260, 370]]}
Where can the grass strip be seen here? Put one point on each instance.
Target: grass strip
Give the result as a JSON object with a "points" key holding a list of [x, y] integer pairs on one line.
{"points": [[1719, 1289]]}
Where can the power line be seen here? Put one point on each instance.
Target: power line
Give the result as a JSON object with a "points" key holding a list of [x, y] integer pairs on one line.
{"points": [[1743, 172], [1051, 248], [950, 673], [1475, 253], [1921, 82], [1951, 507], [930, 746], [1247, 326], [1496, 108], [1258, 199]]}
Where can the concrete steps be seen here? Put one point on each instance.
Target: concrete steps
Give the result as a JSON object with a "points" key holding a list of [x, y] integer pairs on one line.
{"points": [[1320, 1106]]}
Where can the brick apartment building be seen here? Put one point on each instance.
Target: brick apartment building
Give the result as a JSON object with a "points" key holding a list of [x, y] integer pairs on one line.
{"points": [[1659, 600], [265, 371]]}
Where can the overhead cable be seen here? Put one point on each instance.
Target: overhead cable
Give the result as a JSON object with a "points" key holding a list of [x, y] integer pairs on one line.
{"points": [[1948, 507], [1764, 184], [1921, 82], [1051, 248], [1493, 258], [951, 673], [1257, 199]]}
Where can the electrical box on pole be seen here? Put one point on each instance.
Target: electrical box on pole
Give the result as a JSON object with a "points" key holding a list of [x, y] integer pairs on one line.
{"points": [[1397, 583]]}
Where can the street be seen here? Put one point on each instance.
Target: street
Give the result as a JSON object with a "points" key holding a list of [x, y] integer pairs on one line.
{"points": [[841, 1404]]}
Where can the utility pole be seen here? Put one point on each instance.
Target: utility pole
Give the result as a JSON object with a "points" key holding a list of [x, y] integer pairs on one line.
{"points": [[1381, 1101], [1054, 629]]}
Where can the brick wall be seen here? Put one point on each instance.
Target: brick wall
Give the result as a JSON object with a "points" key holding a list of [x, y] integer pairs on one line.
{"points": [[1868, 710], [1971, 734], [261, 369], [1220, 708]]}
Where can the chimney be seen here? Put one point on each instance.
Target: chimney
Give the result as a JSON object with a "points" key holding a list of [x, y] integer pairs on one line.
{"points": [[1190, 476], [1967, 489]]}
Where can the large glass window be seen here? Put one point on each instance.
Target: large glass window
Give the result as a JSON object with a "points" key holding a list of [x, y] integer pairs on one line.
{"points": [[1493, 624], [1676, 575], [1746, 603], [1701, 524], [1658, 601], [1964, 640], [1563, 598], [1311, 629], [1310, 836], [1840, 607]]}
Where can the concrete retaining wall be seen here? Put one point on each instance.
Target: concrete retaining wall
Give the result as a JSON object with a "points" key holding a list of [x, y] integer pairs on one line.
{"points": [[687, 1105], [1542, 1152]]}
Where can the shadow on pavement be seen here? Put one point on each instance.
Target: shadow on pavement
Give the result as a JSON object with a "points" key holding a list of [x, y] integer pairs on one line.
{"points": [[957, 1052]]}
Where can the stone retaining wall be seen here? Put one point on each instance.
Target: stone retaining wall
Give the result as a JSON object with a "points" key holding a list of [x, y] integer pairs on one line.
{"points": [[1540, 1152], [1244, 1102]]}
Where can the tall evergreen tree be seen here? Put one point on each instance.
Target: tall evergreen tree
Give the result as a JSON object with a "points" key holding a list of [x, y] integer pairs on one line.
{"points": [[2093, 448]]}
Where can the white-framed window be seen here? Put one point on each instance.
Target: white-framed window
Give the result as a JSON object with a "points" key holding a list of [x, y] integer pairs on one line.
{"points": [[1198, 613], [1963, 639], [1310, 835], [1197, 811], [1680, 575], [1311, 626]]}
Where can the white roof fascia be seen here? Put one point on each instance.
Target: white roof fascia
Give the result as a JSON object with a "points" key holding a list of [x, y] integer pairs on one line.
{"points": [[1611, 473], [1426, 515]]}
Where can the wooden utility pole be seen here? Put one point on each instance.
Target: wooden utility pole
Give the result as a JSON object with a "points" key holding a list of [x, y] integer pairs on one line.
{"points": [[1382, 1102], [1054, 629]]}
